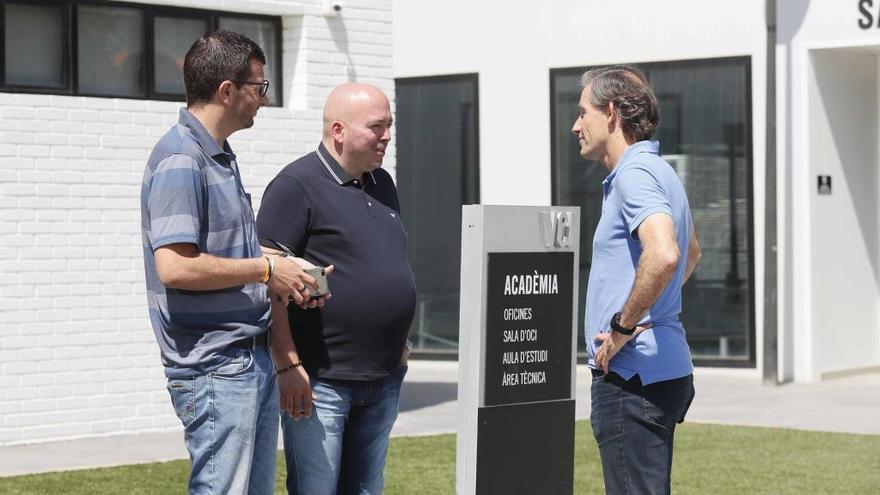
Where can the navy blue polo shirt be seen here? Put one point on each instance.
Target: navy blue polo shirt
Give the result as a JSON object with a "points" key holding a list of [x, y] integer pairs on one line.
{"points": [[330, 218]]}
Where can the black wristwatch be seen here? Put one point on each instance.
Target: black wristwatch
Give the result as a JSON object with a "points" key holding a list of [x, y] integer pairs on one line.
{"points": [[616, 327]]}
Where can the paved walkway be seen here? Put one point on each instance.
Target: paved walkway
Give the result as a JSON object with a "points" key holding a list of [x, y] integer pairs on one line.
{"points": [[428, 406]]}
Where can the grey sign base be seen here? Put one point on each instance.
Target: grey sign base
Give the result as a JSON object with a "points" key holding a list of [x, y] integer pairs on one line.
{"points": [[517, 349]]}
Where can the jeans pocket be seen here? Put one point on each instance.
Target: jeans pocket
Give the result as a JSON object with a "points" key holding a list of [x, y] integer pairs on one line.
{"points": [[667, 402], [183, 398], [596, 414], [654, 414], [237, 366]]}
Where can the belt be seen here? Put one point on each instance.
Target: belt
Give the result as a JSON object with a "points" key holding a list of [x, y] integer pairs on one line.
{"points": [[251, 342], [633, 385]]}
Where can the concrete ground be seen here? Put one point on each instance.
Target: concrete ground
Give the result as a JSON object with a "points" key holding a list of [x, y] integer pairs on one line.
{"points": [[428, 407]]}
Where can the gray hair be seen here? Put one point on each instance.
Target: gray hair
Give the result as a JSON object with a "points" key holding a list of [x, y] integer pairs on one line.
{"points": [[629, 91]]}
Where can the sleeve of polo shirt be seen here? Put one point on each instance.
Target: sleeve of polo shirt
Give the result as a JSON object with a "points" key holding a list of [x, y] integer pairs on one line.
{"points": [[174, 202], [642, 195], [284, 215]]}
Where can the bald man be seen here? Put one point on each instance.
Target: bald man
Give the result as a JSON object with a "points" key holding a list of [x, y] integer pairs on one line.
{"points": [[341, 366]]}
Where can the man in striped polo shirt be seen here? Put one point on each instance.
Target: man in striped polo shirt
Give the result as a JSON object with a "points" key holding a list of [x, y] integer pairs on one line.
{"points": [[207, 279]]}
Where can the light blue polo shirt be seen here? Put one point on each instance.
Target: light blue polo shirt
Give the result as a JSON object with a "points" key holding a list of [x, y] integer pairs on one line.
{"points": [[192, 193], [640, 185]]}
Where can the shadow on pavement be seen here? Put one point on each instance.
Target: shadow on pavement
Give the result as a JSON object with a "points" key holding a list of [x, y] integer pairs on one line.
{"points": [[417, 395]]}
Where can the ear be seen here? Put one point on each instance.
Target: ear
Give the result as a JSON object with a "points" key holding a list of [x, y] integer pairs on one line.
{"points": [[225, 92], [337, 131], [611, 116]]}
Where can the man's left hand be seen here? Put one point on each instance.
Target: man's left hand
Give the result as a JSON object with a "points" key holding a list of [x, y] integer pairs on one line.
{"points": [[295, 393], [612, 343]]}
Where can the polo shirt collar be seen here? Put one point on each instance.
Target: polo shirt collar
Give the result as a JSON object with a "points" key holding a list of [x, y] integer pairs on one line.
{"points": [[652, 147], [335, 169], [202, 136]]}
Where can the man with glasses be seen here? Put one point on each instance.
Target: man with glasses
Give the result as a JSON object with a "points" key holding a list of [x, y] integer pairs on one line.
{"points": [[207, 278]]}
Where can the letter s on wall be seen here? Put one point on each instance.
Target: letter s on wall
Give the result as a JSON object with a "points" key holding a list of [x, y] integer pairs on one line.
{"points": [[867, 19]]}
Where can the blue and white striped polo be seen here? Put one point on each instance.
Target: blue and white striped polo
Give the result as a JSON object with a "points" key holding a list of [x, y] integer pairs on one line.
{"points": [[192, 193]]}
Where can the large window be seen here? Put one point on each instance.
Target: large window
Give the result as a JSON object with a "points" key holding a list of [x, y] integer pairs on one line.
{"points": [[704, 132], [174, 36], [437, 172], [44, 63], [110, 51], [114, 49]]}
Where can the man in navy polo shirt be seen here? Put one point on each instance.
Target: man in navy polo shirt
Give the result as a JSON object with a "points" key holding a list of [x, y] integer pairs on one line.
{"points": [[644, 249], [346, 361], [207, 278]]}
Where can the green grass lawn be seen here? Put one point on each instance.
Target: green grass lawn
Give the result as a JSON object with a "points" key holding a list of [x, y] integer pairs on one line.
{"points": [[710, 459]]}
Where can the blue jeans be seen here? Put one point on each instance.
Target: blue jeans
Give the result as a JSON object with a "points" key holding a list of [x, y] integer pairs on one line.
{"points": [[634, 425], [230, 420], [341, 448]]}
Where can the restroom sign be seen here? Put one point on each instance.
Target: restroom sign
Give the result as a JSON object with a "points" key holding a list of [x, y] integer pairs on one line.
{"points": [[823, 184]]}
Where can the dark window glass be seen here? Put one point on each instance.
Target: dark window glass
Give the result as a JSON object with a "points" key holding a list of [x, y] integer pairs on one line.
{"points": [[35, 53], [111, 51], [263, 33], [704, 133], [437, 172], [117, 54], [172, 39]]}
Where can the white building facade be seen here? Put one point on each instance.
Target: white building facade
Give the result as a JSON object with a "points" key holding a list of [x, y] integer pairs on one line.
{"points": [[485, 96], [827, 80], [77, 354], [708, 62]]}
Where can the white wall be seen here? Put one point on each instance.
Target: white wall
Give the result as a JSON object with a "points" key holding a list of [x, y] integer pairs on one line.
{"points": [[77, 353], [846, 224], [513, 46], [805, 26]]}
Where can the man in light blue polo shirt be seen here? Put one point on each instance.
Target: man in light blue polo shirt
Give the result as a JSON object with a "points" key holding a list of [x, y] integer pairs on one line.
{"points": [[207, 279], [644, 249]]}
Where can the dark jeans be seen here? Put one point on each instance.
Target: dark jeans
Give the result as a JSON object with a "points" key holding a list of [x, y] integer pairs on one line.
{"points": [[634, 425]]}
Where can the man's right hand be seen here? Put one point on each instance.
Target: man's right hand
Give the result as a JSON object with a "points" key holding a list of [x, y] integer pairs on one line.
{"points": [[290, 281], [296, 394]]}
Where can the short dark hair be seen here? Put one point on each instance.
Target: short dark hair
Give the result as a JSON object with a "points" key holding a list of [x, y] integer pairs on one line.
{"points": [[216, 57], [631, 93]]}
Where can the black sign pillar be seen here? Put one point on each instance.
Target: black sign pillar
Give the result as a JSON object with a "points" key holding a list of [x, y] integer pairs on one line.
{"points": [[517, 350]]}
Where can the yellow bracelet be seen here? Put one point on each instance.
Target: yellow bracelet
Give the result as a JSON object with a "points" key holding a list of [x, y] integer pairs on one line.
{"points": [[268, 272]]}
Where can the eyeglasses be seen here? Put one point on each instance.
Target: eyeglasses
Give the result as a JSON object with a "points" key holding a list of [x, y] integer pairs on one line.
{"points": [[264, 86]]}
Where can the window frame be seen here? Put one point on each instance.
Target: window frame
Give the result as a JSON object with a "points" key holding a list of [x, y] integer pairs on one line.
{"points": [[745, 62], [66, 49], [474, 79], [165, 11], [150, 12]]}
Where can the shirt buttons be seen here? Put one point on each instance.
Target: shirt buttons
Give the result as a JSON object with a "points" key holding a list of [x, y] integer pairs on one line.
{"points": [[369, 203]]}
